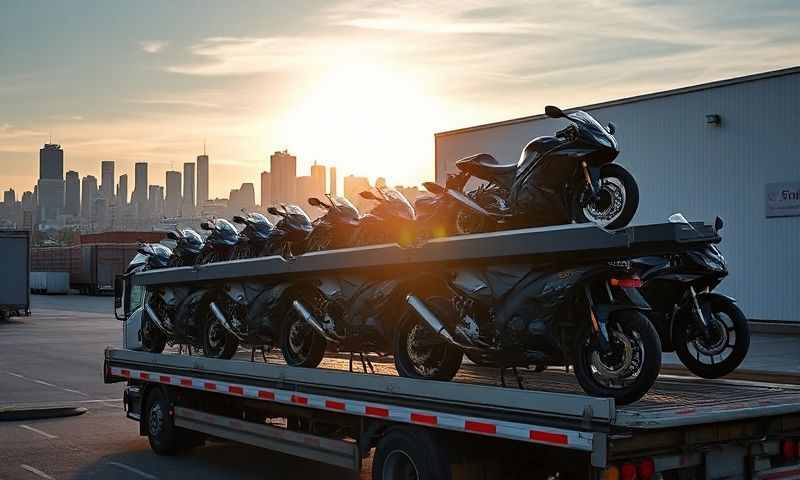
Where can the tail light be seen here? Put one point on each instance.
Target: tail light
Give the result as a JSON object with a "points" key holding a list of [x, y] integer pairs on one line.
{"points": [[631, 282], [628, 471], [642, 470], [610, 473], [646, 469], [789, 449]]}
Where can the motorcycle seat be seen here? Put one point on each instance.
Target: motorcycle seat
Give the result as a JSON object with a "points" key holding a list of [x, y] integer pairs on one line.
{"points": [[483, 165]]}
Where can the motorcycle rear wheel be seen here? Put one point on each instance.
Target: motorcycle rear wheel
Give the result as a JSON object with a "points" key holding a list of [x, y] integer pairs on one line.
{"points": [[629, 369], [730, 333], [618, 200], [300, 344], [217, 342], [419, 353]]}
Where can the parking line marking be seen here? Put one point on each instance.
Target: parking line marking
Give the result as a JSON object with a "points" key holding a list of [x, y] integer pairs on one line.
{"points": [[15, 375], [36, 472], [74, 391], [134, 470], [40, 432], [42, 382]]}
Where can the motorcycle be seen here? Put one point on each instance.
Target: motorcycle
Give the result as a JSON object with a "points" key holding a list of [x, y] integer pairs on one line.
{"points": [[709, 333], [567, 178], [253, 237], [591, 317], [344, 311], [335, 229], [248, 313], [220, 243], [164, 305]]}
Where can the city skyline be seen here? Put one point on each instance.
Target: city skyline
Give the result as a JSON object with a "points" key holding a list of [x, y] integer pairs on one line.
{"points": [[359, 85]]}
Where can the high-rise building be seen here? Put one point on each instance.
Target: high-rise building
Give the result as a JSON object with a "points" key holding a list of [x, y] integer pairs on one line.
{"points": [[122, 190], [283, 170], [88, 196], [28, 210], [202, 178], [99, 211], [72, 194], [51, 182], [139, 197], [187, 206], [305, 190], [333, 181], [172, 202], [266, 194], [156, 200], [242, 198], [10, 197], [107, 180], [317, 180], [353, 186]]}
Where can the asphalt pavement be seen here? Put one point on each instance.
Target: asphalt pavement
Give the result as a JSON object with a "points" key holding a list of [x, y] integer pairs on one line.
{"points": [[55, 357]]}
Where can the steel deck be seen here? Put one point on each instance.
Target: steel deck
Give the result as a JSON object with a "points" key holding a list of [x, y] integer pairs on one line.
{"points": [[576, 242]]}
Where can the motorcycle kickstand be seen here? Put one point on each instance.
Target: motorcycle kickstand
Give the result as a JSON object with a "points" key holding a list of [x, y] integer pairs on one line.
{"points": [[519, 379], [351, 361], [366, 363], [253, 354], [264, 354]]}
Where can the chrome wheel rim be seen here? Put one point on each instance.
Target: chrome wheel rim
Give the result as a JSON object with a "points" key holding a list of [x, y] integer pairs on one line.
{"points": [[610, 205], [722, 343], [623, 365]]}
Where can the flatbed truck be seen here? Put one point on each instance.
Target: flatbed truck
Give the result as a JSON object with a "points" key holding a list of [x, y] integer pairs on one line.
{"points": [[684, 429]]}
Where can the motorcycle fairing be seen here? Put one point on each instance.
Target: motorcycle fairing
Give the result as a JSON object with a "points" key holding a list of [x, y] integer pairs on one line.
{"points": [[266, 311]]}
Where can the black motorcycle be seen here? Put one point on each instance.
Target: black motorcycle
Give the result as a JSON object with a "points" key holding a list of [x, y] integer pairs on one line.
{"points": [[343, 311], [253, 237], [188, 245], [562, 179], [336, 228], [250, 313], [508, 316], [220, 243], [709, 333]]}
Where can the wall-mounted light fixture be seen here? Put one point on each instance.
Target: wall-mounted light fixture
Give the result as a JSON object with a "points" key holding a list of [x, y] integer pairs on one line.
{"points": [[713, 119]]}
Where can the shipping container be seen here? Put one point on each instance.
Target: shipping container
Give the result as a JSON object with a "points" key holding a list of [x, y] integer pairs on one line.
{"points": [[50, 282], [15, 296]]}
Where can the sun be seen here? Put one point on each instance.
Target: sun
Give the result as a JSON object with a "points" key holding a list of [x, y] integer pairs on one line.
{"points": [[370, 120]]}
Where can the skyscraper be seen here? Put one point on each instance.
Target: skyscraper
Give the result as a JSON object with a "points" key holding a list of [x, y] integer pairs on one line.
{"points": [[317, 180], [107, 180], [353, 186], [9, 197], [242, 198], [333, 181], [202, 178], [51, 181], [266, 197], [156, 200], [305, 190], [72, 194], [88, 196], [283, 170], [172, 202], [122, 190], [139, 197], [187, 208]]}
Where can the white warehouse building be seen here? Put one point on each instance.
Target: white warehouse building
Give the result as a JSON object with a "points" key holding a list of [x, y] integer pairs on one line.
{"points": [[729, 148]]}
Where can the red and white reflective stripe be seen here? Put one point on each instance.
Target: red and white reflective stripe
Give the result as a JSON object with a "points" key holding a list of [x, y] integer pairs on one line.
{"points": [[481, 426]]}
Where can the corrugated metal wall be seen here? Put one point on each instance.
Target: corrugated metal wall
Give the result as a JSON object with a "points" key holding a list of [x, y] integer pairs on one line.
{"points": [[681, 164]]}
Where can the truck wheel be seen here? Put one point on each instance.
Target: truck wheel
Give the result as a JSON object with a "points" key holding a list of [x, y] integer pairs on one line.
{"points": [[217, 342], [727, 346], [419, 352], [301, 345], [164, 437], [410, 453], [625, 372]]}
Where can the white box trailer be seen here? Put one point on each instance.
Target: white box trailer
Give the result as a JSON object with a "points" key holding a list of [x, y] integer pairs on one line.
{"points": [[15, 297], [51, 283]]}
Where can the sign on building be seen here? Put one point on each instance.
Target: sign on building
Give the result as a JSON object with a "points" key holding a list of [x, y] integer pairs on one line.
{"points": [[783, 199]]}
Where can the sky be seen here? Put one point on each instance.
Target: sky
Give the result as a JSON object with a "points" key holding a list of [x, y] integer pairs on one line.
{"points": [[362, 85]]}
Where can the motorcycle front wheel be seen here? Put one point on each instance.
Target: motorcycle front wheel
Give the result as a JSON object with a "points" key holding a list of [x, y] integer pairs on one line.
{"points": [[300, 344], [217, 342], [419, 352], [628, 368], [616, 202], [726, 347]]}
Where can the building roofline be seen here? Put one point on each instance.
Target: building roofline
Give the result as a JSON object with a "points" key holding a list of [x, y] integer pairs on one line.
{"points": [[638, 98]]}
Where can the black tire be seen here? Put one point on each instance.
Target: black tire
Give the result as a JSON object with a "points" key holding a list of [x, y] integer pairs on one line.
{"points": [[623, 326], [164, 437], [153, 339], [444, 358], [410, 453], [728, 324], [217, 342], [300, 344], [613, 177]]}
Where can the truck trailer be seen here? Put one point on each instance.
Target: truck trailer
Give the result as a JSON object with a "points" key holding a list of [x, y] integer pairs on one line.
{"points": [[685, 428], [15, 296]]}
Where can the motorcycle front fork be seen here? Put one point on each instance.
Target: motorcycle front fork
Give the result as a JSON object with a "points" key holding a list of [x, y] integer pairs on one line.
{"points": [[698, 314]]}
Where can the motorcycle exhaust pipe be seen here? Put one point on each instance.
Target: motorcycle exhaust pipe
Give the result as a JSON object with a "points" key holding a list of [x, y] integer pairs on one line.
{"points": [[431, 319], [311, 320], [152, 314], [224, 321]]}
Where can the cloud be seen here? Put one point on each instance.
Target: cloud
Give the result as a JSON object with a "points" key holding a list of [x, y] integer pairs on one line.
{"points": [[153, 46], [177, 102]]}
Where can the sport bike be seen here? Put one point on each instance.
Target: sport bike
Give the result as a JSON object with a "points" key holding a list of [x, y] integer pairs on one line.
{"points": [[253, 236], [220, 243]]}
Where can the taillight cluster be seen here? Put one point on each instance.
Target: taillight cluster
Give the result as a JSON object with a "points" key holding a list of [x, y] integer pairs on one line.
{"points": [[631, 282], [790, 449], [642, 470]]}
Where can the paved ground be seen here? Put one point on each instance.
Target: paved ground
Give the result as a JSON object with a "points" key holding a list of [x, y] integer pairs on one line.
{"points": [[55, 356]]}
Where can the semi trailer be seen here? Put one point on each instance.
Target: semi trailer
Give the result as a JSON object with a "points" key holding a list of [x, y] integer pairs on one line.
{"points": [[684, 428], [15, 297]]}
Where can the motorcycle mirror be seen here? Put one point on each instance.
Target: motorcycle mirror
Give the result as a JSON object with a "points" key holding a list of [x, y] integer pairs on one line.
{"points": [[238, 219], [369, 195], [274, 211], [172, 236], [553, 112], [611, 128], [718, 224], [316, 202], [206, 226], [143, 251], [434, 188]]}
